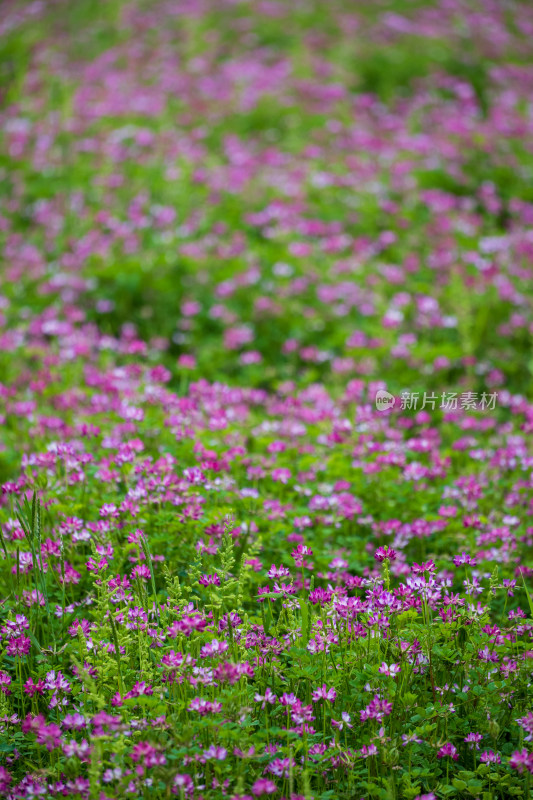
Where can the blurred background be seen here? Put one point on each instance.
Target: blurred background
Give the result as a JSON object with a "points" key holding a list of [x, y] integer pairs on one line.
{"points": [[271, 191]]}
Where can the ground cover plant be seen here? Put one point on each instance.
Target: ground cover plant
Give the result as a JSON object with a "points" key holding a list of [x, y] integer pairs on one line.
{"points": [[227, 569]]}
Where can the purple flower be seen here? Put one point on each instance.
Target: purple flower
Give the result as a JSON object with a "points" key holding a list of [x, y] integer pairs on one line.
{"points": [[488, 655], [408, 738], [427, 566], [389, 669], [376, 709], [448, 751], [216, 753], [141, 571], [32, 688], [213, 648], [281, 475], [490, 757], [5, 681], [298, 554], [268, 697], [464, 558], [346, 720], [385, 553], [473, 740], [140, 689], [56, 681], [203, 706], [527, 724], [368, 750], [278, 572], [184, 781], [209, 580], [323, 693], [18, 646], [522, 760], [49, 735], [288, 699], [264, 786]]}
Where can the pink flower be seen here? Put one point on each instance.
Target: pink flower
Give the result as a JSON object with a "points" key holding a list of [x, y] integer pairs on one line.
{"points": [[203, 706], [426, 566], [186, 361], [346, 720], [288, 699], [368, 750], [209, 580], [216, 753], [264, 786], [190, 308], [185, 782], [74, 721], [5, 779], [56, 681], [522, 760], [262, 590], [95, 566], [464, 558], [5, 681], [49, 735], [527, 724], [81, 750], [109, 510], [139, 689], [268, 697], [18, 646], [448, 750], [147, 754], [281, 475], [473, 740], [376, 709], [385, 553], [141, 571], [323, 693], [298, 554], [409, 738], [278, 572], [487, 655], [236, 337], [490, 757], [31, 688], [392, 669], [213, 648]]}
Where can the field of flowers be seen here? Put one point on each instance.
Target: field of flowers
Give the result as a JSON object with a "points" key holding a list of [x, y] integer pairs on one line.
{"points": [[226, 570]]}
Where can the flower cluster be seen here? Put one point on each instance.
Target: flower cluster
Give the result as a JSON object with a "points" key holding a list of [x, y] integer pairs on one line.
{"points": [[226, 572]]}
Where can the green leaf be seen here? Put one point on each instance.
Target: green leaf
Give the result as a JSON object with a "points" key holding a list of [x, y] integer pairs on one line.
{"points": [[305, 620], [529, 600], [34, 641]]}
